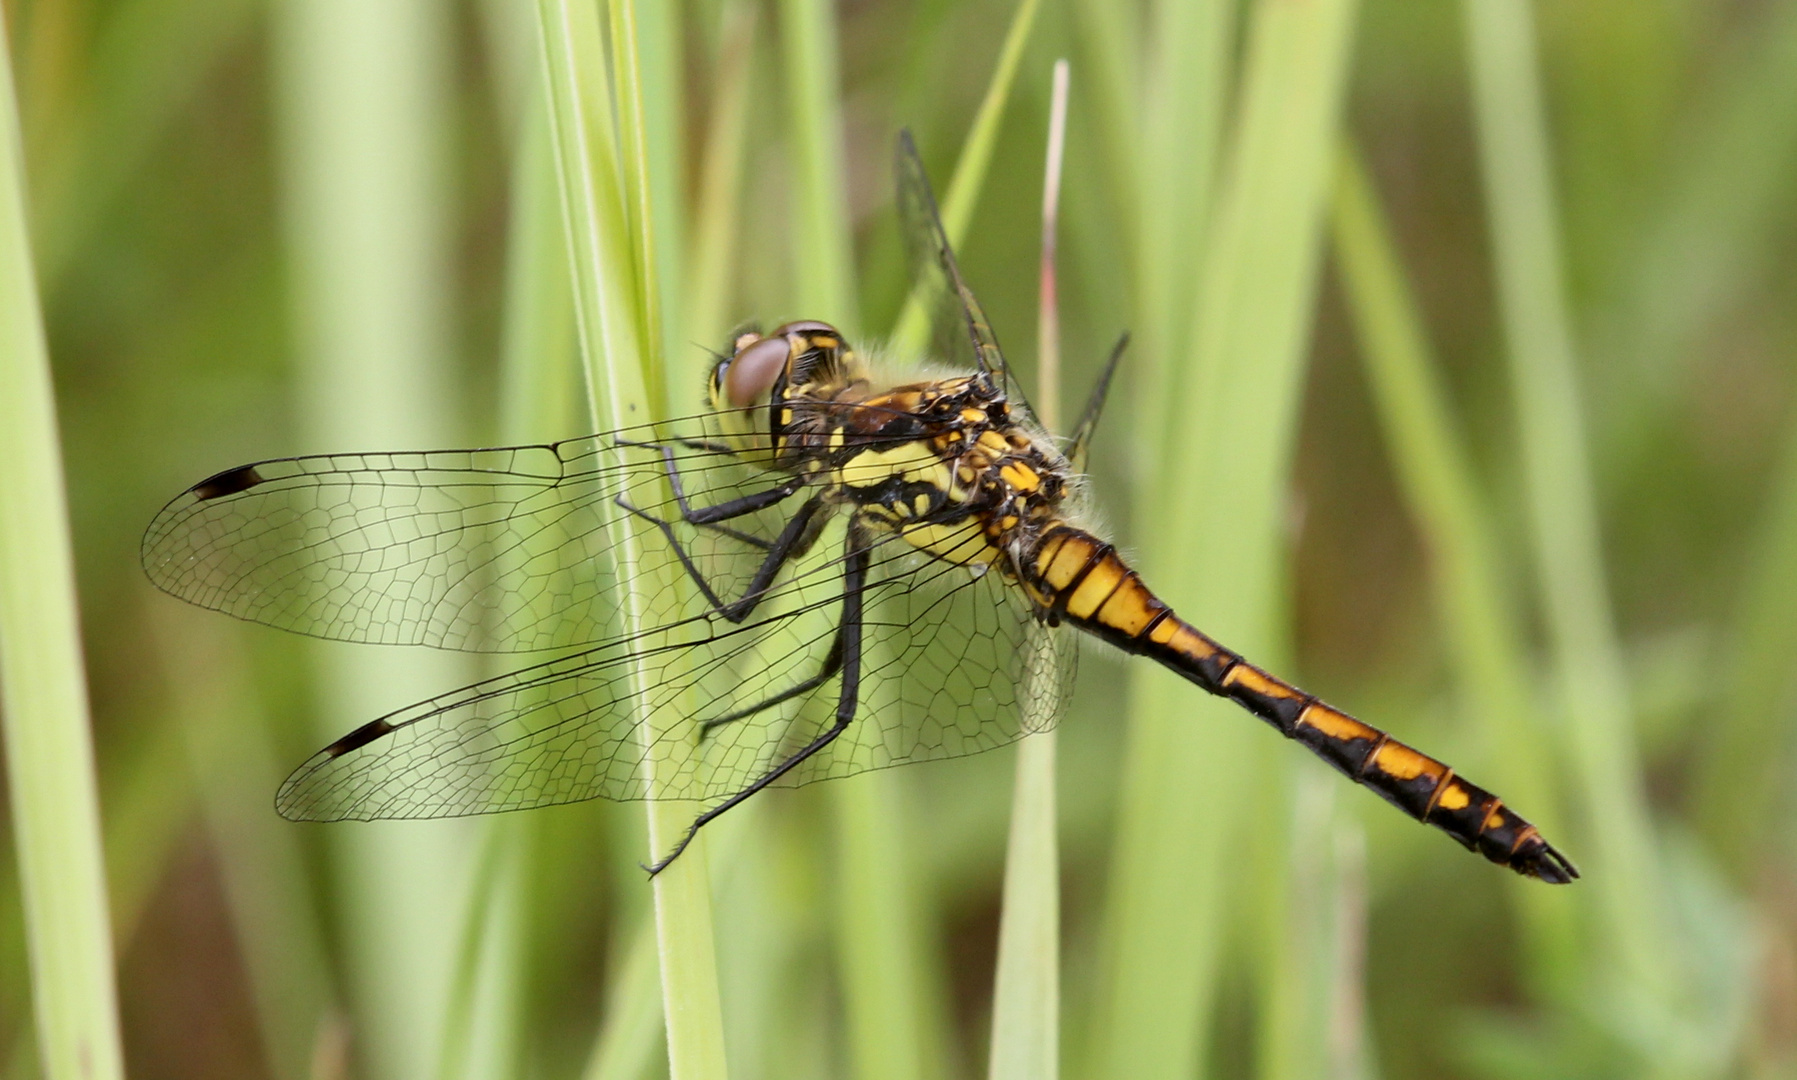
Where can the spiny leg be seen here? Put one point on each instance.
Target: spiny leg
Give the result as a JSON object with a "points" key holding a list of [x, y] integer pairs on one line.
{"points": [[711, 516], [848, 644], [777, 553], [699, 444], [832, 664]]}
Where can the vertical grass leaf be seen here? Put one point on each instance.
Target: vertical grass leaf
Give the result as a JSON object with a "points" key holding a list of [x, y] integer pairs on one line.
{"points": [[1236, 400], [603, 184], [43, 688], [1026, 994], [879, 949], [363, 107]]}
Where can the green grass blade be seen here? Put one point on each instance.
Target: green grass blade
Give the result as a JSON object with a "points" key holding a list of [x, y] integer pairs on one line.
{"points": [[363, 100], [1026, 991], [1026, 997], [655, 31], [1237, 399], [1313, 936], [1184, 89], [890, 1030], [962, 195], [43, 690], [719, 209], [1108, 39], [603, 184], [541, 390], [148, 808], [646, 174], [540, 397], [480, 1030], [1620, 862], [602, 252], [773, 953], [820, 206], [1484, 631]]}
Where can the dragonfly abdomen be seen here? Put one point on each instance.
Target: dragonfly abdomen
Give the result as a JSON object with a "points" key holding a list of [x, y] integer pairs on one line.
{"points": [[1080, 579]]}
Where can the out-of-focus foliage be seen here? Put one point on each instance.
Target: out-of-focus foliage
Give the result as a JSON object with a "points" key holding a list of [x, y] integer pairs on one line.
{"points": [[270, 229]]}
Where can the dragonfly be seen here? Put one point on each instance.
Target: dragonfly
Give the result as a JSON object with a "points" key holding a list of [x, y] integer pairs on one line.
{"points": [[833, 567]]}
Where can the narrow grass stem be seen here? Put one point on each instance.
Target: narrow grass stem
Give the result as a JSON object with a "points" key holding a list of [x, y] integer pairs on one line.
{"points": [[1026, 996], [641, 218], [626, 1041], [43, 689], [612, 272]]}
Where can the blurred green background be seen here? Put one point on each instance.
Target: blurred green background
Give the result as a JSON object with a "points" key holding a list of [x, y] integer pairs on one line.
{"points": [[1461, 393]]}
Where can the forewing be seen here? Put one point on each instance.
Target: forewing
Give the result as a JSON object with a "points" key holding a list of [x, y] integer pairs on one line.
{"points": [[499, 550], [939, 275], [954, 663]]}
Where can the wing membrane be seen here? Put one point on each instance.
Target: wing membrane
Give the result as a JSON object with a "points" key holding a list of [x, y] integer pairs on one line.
{"points": [[933, 262], [510, 549], [956, 664], [499, 550]]}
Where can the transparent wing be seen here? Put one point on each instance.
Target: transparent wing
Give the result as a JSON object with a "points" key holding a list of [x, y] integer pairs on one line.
{"points": [[954, 663], [934, 267], [500, 550]]}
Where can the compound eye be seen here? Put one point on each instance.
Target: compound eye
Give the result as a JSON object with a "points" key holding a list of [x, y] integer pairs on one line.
{"points": [[753, 373]]}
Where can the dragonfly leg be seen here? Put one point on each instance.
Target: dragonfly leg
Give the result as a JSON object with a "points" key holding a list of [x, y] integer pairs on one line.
{"points": [[711, 516], [832, 664], [704, 444], [777, 553], [848, 649]]}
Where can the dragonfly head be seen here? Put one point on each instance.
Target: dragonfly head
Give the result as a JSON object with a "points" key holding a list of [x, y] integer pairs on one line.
{"points": [[749, 387]]}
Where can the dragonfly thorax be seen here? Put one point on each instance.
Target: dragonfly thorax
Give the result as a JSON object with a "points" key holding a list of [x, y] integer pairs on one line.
{"points": [[944, 463]]}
